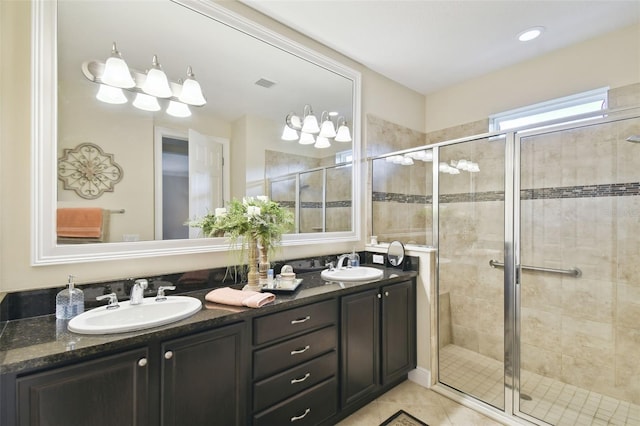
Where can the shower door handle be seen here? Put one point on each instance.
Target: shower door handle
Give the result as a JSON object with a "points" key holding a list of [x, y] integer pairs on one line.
{"points": [[574, 272]]}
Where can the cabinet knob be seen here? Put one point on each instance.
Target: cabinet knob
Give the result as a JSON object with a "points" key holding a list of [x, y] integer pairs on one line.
{"points": [[386, 293], [142, 362], [168, 355], [379, 296], [301, 416]]}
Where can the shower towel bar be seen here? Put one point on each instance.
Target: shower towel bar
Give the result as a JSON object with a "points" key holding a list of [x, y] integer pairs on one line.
{"points": [[119, 211], [574, 272]]}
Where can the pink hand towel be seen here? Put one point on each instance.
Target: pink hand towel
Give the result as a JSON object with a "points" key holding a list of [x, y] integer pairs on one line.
{"points": [[230, 296]]}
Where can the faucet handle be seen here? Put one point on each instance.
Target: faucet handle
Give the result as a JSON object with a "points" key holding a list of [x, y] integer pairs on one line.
{"points": [[142, 283], [330, 266], [160, 296], [113, 300]]}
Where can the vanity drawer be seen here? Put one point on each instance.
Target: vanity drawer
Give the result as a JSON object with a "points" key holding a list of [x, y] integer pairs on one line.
{"points": [[293, 381], [282, 324], [293, 352], [308, 408]]}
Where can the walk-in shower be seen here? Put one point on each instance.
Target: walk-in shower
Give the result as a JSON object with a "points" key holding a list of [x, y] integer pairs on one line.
{"points": [[538, 265]]}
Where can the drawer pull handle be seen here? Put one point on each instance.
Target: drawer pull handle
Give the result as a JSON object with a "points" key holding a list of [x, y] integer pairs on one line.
{"points": [[299, 351], [301, 416], [301, 320], [302, 379]]}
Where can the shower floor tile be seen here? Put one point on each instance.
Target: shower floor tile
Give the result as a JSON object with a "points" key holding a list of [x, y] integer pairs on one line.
{"points": [[552, 401]]}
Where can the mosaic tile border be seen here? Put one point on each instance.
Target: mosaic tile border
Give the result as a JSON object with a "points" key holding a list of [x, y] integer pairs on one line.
{"points": [[562, 192], [315, 204]]}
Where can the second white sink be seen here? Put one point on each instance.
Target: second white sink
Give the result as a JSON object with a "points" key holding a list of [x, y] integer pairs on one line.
{"points": [[135, 317], [360, 273]]}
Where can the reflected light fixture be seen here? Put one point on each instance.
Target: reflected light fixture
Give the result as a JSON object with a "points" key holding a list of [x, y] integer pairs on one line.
{"points": [[289, 134], [111, 95], [322, 142], [146, 102], [327, 129], [343, 134], [178, 109], [156, 83], [116, 72], [309, 122], [306, 139], [191, 92]]}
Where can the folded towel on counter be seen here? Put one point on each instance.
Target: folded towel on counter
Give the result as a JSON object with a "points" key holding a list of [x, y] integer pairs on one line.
{"points": [[79, 222], [230, 296]]}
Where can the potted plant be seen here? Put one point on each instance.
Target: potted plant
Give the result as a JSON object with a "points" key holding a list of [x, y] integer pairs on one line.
{"points": [[255, 221]]}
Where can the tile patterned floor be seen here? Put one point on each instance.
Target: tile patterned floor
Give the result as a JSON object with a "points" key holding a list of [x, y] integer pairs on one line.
{"points": [[554, 402], [424, 404]]}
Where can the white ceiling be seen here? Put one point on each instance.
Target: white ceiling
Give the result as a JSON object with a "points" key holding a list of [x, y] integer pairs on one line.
{"points": [[427, 45]]}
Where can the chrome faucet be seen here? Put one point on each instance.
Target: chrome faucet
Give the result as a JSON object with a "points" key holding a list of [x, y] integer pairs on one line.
{"points": [[341, 261], [137, 292]]}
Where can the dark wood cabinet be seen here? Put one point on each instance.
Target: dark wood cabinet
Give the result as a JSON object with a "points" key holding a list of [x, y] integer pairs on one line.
{"points": [[378, 340], [200, 379], [108, 391], [204, 378]]}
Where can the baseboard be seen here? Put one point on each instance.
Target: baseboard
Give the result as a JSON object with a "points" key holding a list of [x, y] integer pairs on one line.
{"points": [[421, 376]]}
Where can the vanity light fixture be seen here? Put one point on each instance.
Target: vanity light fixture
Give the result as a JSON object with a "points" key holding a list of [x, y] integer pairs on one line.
{"points": [[116, 72], [111, 95], [306, 139], [309, 122], [343, 134], [178, 109], [114, 75], [327, 129], [157, 84], [289, 134], [322, 142], [146, 102], [191, 92]]}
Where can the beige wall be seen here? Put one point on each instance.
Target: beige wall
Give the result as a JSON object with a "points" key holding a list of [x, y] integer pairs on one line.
{"points": [[16, 273], [612, 60]]}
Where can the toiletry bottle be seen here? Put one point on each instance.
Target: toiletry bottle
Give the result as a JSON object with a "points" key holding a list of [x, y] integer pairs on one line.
{"points": [[354, 259], [69, 302]]}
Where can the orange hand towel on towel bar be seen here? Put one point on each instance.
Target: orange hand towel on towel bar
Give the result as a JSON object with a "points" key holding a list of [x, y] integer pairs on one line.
{"points": [[230, 296], [79, 222]]}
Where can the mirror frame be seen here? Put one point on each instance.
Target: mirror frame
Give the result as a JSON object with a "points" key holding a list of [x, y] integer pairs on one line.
{"points": [[44, 105]]}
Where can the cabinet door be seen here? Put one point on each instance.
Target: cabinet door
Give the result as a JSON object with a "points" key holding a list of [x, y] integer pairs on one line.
{"points": [[398, 330], [205, 378], [110, 391], [360, 345]]}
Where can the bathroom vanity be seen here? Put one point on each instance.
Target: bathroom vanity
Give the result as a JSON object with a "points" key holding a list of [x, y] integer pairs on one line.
{"points": [[312, 357]]}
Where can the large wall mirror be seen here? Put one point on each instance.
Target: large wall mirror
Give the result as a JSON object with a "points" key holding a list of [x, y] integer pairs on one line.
{"points": [[150, 164]]}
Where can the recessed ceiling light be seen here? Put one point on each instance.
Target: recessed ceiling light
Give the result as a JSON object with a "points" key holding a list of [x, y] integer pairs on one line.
{"points": [[530, 33]]}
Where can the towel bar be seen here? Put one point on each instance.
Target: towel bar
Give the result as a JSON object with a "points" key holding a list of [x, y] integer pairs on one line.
{"points": [[574, 272]]}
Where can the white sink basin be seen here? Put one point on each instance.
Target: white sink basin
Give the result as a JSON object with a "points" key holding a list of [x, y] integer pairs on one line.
{"points": [[360, 273], [135, 317]]}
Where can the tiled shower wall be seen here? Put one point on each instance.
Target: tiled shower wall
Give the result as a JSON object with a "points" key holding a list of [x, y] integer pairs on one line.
{"points": [[584, 212]]}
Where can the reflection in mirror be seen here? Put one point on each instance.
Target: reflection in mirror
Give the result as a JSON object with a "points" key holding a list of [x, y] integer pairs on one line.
{"points": [[181, 164], [395, 253]]}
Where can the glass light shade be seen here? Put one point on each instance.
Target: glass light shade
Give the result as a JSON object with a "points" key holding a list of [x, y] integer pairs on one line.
{"points": [[191, 92], [178, 109], [111, 95], [322, 142], [289, 134], [327, 130], [306, 139], [146, 102], [310, 124], [156, 84], [116, 72], [343, 134]]}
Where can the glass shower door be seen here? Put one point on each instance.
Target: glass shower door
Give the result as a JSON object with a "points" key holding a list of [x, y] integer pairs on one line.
{"points": [[471, 234], [579, 291]]}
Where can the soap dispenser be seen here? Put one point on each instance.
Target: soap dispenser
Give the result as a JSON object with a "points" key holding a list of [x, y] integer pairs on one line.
{"points": [[354, 259], [70, 301]]}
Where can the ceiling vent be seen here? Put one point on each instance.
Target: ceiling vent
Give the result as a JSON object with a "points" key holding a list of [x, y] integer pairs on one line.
{"points": [[265, 83]]}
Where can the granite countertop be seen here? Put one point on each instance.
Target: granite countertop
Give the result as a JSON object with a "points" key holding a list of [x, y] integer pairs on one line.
{"points": [[42, 341]]}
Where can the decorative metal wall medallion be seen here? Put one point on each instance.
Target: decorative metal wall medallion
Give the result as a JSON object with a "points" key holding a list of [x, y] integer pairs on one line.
{"points": [[87, 170]]}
